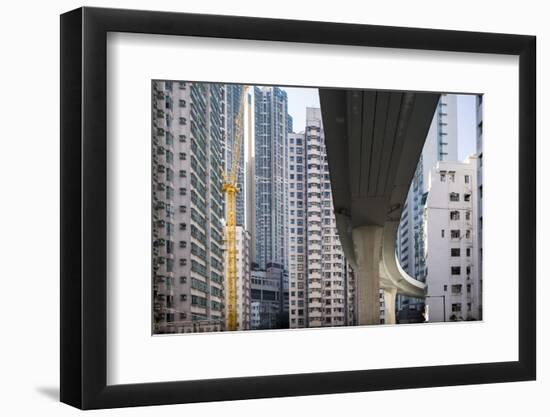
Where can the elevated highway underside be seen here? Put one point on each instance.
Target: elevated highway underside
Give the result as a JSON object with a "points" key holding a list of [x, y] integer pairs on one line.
{"points": [[374, 140]]}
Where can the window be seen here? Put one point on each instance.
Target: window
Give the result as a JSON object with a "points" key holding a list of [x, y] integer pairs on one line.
{"points": [[455, 234], [183, 244], [169, 175], [169, 228], [455, 270], [469, 288], [468, 215], [456, 307], [169, 246], [444, 287], [455, 251], [442, 176], [455, 215], [466, 179], [468, 251], [454, 197], [183, 173], [183, 209], [183, 191], [468, 234], [452, 176], [183, 156], [183, 121], [442, 232], [467, 197], [183, 226], [169, 138], [169, 265], [456, 289]]}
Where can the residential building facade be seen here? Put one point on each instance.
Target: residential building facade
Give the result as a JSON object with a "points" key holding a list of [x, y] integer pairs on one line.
{"points": [[320, 278], [187, 206], [451, 243]]}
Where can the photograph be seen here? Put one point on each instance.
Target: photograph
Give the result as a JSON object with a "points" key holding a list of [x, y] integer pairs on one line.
{"points": [[304, 207], [295, 207]]}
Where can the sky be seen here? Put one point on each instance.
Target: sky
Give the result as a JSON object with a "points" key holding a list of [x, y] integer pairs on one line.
{"points": [[300, 98], [466, 125]]}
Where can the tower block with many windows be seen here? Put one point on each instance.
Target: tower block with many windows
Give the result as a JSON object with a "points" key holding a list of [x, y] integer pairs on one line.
{"points": [[319, 275], [188, 264]]}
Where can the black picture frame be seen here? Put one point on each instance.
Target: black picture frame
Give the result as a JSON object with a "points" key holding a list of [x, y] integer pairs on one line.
{"points": [[84, 207]]}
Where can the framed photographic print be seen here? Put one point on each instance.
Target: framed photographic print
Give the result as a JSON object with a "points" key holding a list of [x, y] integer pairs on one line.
{"points": [[257, 208]]}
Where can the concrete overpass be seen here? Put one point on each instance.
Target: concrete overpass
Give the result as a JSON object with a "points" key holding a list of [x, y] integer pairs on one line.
{"points": [[374, 140]]}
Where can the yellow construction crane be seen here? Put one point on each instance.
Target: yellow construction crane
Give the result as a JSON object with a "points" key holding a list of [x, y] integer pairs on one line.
{"points": [[230, 188]]}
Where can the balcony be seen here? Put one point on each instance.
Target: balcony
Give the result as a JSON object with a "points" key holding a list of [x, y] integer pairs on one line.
{"points": [[315, 293]]}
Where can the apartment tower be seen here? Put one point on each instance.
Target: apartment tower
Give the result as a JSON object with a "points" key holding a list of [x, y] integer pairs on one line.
{"points": [[187, 149], [319, 275], [451, 242], [272, 124]]}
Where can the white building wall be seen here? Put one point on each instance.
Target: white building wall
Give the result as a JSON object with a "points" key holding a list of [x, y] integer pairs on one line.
{"points": [[451, 244]]}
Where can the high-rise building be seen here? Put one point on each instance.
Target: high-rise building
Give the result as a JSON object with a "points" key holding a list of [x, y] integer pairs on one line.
{"points": [[187, 149], [250, 178], [230, 111], [272, 123], [243, 278], [451, 242], [441, 145], [319, 276]]}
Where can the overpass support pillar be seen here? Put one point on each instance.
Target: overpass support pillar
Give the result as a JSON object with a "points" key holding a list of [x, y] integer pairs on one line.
{"points": [[389, 305], [367, 242]]}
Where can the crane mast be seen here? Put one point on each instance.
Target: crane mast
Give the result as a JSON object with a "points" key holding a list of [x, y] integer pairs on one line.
{"points": [[230, 188]]}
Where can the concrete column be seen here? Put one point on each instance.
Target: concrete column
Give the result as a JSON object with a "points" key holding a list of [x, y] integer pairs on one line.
{"points": [[389, 305], [367, 242]]}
